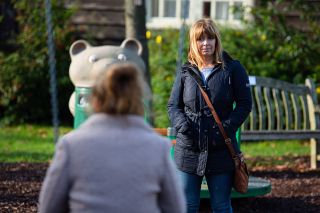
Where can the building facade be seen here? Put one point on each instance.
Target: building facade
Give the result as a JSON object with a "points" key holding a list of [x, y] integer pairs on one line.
{"points": [[101, 20], [170, 13]]}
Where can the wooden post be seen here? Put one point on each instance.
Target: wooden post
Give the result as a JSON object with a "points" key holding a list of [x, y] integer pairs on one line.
{"points": [[135, 19], [314, 124], [135, 22]]}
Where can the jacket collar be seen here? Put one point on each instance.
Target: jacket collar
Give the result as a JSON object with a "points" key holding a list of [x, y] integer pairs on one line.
{"points": [[115, 121], [195, 73]]}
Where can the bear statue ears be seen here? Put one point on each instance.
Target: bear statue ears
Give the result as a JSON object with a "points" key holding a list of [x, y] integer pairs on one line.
{"points": [[129, 43]]}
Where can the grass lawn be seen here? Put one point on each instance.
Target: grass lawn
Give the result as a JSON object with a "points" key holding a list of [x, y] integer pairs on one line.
{"points": [[274, 153], [276, 148], [31, 143], [27, 143]]}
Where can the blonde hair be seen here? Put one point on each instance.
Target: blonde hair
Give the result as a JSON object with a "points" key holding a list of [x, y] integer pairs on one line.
{"points": [[118, 90], [202, 27]]}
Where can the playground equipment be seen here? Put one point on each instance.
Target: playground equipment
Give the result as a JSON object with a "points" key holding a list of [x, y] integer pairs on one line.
{"points": [[87, 62], [52, 70]]}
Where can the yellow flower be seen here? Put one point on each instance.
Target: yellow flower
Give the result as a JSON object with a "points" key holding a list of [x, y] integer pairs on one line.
{"points": [[148, 34], [318, 90], [158, 39], [168, 78], [263, 37], [238, 33]]}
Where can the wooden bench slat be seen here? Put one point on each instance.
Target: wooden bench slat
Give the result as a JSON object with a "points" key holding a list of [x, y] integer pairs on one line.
{"points": [[276, 98], [281, 85], [260, 108], [286, 108], [253, 114], [279, 135], [296, 111], [269, 107], [305, 112]]}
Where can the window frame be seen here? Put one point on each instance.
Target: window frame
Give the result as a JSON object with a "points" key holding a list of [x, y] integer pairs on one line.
{"points": [[164, 21], [231, 17], [160, 21]]}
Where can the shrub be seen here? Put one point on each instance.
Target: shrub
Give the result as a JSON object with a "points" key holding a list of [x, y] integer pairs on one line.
{"points": [[270, 46], [163, 48], [24, 72]]}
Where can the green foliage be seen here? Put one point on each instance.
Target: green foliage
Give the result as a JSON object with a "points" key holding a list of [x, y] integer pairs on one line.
{"points": [[163, 60], [24, 72], [271, 46], [267, 46]]}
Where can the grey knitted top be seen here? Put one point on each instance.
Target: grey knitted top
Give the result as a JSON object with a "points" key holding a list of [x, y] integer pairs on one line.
{"points": [[114, 164]]}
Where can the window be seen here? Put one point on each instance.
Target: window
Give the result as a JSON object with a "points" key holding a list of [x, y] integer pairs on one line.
{"points": [[185, 4], [237, 12], [222, 10], [206, 9], [170, 8], [170, 13], [155, 8], [229, 10]]}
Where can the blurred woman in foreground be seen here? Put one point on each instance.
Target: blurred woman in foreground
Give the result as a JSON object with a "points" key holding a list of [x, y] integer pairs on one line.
{"points": [[114, 162]]}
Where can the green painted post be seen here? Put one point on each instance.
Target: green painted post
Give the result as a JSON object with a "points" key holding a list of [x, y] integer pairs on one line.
{"points": [[82, 105], [147, 114], [171, 134]]}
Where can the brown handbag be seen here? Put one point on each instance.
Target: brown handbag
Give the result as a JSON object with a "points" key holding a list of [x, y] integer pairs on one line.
{"points": [[241, 174]]}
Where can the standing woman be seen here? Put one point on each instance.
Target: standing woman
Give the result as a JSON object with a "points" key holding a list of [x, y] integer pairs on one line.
{"points": [[114, 162], [200, 149]]}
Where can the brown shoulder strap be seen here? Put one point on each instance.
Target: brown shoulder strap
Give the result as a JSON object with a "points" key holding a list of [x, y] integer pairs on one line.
{"points": [[227, 140]]}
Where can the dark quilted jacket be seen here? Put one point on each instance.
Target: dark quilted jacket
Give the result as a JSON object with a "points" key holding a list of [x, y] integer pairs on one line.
{"points": [[200, 148]]}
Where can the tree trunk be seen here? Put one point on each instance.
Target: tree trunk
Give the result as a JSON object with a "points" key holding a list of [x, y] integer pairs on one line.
{"points": [[135, 19], [135, 22]]}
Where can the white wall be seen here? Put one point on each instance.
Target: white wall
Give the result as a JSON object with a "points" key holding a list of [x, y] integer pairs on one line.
{"points": [[195, 12]]}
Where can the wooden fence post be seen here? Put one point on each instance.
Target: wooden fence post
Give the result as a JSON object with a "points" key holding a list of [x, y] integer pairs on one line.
{"points": [[314, 123]]}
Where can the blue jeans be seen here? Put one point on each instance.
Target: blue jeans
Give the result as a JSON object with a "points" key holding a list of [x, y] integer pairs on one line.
{"points": [[219, 188]]}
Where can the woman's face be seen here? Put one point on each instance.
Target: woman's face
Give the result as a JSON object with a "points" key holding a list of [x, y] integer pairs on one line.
{"points": [[206, 45]]}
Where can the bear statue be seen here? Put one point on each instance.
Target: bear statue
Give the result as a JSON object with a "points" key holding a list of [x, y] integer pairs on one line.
{"points": [[88, 61]]}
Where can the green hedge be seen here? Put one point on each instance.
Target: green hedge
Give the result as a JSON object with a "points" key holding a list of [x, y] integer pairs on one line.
{"points": [[162, 59]]}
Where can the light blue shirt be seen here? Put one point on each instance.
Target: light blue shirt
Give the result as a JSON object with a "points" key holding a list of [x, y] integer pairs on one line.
{"points": [[205, 72]]}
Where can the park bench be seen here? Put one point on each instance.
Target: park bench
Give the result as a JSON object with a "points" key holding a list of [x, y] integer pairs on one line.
{"points": [[280, 111], [284, 111]]}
